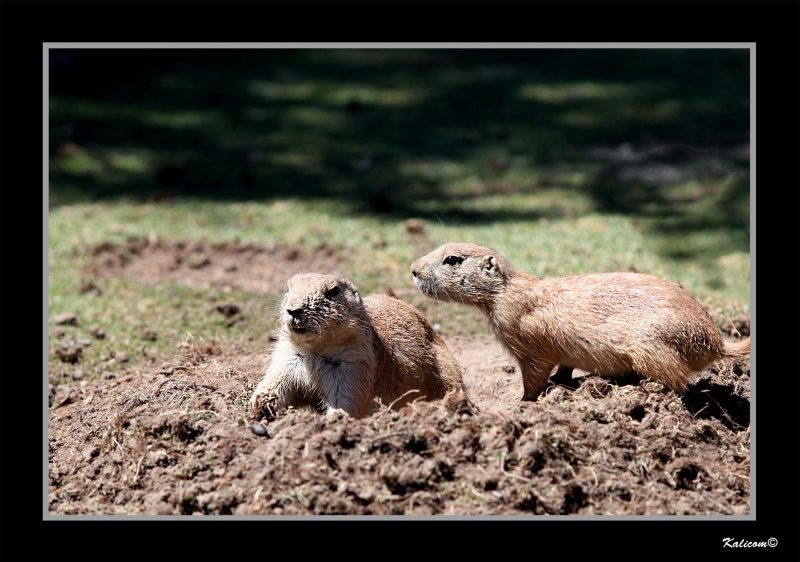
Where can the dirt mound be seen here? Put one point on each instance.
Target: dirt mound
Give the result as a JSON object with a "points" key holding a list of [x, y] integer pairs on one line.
{"points": [[179, 440], [232, 265]]}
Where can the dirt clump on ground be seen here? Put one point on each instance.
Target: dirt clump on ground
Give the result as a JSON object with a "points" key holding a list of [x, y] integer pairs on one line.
{"points": [[178, 439], [232, 265]]}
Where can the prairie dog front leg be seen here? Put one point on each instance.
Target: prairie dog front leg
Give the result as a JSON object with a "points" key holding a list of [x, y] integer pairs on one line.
{"points": [[285, 384]]}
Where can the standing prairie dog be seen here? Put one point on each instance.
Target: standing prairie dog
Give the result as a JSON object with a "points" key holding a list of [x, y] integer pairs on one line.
{"points": [[611, 324], [337, 351]]}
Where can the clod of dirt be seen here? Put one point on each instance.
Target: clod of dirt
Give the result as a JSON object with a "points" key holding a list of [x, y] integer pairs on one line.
{"points": [[121, 357], [84, 342], [196, 260], [97, 332], [207, 349], [228, 309], [68, 353], [148, 334], [414, 226], [66, 319], [88, 286]]}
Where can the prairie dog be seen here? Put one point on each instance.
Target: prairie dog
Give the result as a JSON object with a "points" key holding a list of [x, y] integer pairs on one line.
{"points": [[337, 351], [611, 324]]}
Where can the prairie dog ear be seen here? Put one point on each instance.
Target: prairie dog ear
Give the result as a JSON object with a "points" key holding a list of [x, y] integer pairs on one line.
{"points": [[489, 264], [349, 284]]}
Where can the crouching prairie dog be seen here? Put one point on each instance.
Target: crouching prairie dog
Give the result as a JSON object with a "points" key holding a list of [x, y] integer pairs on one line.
{"points": [[337, 351], [611, 324]]}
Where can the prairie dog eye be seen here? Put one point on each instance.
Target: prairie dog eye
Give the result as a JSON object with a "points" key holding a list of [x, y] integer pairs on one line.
{"points": [[452, 260], [333, 293]]}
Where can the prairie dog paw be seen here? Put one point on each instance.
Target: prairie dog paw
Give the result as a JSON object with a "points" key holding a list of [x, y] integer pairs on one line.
{"points": [[333, 411], [264, 404]]}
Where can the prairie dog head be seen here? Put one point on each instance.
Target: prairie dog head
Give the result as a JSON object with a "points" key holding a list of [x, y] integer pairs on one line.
{"points": [[323, 309], [461, 272]]}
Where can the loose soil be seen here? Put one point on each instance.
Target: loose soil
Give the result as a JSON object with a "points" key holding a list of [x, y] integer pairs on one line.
{"points": [[179, 439]]}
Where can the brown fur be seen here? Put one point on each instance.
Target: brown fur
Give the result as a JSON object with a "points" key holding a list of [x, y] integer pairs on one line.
{"points": [[611, 324], [336, 351]]}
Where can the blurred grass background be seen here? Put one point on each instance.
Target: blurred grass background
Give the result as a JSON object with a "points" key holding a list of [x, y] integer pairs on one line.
{"points": [[567, 161]]}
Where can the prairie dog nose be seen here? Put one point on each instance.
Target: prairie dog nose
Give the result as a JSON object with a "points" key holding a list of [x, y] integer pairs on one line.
{"points": [[295, 312]]}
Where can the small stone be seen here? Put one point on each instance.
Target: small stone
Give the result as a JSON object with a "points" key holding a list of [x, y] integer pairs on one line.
{"points": [[108, 375], [97, 332], [84, 384], [66, 318], [77, 374], [258, 429], [85, 342], [437, 327], [121, 357]]}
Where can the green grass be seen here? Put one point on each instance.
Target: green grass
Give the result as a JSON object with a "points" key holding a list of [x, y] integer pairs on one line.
{"points": [[377, 255]]}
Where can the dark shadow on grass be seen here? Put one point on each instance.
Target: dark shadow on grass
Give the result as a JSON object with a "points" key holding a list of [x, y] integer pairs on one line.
{"points": [[345, 125]]}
